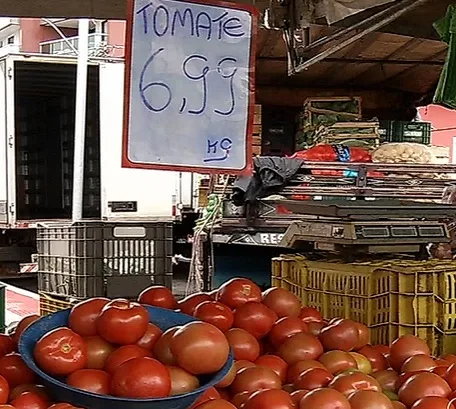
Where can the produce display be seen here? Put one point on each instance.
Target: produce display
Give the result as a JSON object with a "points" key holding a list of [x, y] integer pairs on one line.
{"points": [[402, 153], [287, 356]]}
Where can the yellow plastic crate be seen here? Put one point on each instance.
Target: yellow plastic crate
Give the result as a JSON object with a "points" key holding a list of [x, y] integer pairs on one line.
{"points": [[393, 297], [50, 304]]}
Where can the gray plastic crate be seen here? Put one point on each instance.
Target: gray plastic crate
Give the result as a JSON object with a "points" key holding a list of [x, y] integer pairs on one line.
{"points": [[93, 259]]}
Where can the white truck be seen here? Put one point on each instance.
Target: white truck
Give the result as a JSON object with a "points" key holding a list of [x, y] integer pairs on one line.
{"points": [[37, 114]]}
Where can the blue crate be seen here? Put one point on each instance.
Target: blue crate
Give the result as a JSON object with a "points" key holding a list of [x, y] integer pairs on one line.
{"points": [[62, 392]]}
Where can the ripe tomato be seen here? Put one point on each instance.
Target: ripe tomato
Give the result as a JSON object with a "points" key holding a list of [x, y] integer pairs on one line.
{"points": [[123, 354], [348, 384], [277, 364], [315, 327], [342, 335], [300, 347], [62, 405], [301, 366], [83, 316], [363, 335], [255, 318], [418, 363], [216, 404], [189, 303], [324, 399], [196, 340], [421, 386], [4, 390], [338, 361], [297, 395], [284, 328], [20, 389], [60, 352], [215, 313], [398, 405], [433, 402], [182, 381], [122, 322], [150, 337], [209, 394], [162, 349], [242, 364], [98, 351], [15, 371], [388, 379], [404, 347], [90, 380], [141, 378], [450, 376], [367, 399], [244, 345], [21, 327], [377, 360], [228, 378], [254, 379], [310, 314], [7, 345], [362, 363], [239, 399], [271, 399], [313, 378], [282, 302], [238, 291], [158, 296], [30, 400]]}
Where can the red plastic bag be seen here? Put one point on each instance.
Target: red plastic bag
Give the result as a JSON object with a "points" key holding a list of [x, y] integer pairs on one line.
{"points": [[332, 153]]}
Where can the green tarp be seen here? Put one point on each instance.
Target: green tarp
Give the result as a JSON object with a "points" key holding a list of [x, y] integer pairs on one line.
{"points": [[446, 90]]}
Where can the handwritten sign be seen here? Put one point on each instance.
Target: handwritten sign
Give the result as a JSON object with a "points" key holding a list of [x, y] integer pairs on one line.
{"points": [[189, 86]]}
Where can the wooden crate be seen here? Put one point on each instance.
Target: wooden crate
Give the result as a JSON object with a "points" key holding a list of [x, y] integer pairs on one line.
{"points": [[313, 109], [257, 131], [343, 131]]}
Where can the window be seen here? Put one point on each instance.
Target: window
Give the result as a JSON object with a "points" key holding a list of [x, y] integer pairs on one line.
{"points": [[11, 40]]}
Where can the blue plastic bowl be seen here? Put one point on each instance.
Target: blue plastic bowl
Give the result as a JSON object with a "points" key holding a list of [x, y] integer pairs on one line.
{"points": [[63, 393]]}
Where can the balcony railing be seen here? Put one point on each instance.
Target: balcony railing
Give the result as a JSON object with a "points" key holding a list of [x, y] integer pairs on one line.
{"points": [[97, 42]]}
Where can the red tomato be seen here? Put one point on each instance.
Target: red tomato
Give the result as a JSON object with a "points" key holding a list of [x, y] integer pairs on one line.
{"points": [[196, 340], [342, 335], [296, 396], [301, 366], [20, 389], [282, 302], [388, 379], [377, 360], [62, 405], [324, 399], [90, 380], [421, 386], [60, 352], [162, 349], [141, 378], [15, 371], [242, 364], [404, 347], [368, 399], [418, 363], [348, 384], [189, 303], [338, 361], [255, 318], [244, 345], [450, 376], [209, 394], [285, 328], [122, 322], [238, 291], [239, 399], [313, 378], [216, 404], [277, 364], [450, 358], [215, 313], [254, 379], [363, 335], [150, 338], [158, 296], [7, 407], [433, 402], [30, 400], [398, 405], [315, 328], [4, 390], [310, 314], [228, 379], [83, 316], [300, 347], [21, 327], [182, 381], [98, 351], [224, 394], [271, 399], [123, 354]]}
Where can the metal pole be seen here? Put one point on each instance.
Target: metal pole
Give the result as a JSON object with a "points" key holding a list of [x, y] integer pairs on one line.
{"points": [[80, 119]]}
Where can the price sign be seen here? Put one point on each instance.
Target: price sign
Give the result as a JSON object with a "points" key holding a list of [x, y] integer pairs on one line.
{"points": [[189, 101]]}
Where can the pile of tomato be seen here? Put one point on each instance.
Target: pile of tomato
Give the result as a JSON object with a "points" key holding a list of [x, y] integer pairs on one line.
{"points": [[286, 356]]}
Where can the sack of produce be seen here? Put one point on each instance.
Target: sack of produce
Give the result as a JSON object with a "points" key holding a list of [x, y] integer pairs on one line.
{"points": [[402, 153], [334, 153]]}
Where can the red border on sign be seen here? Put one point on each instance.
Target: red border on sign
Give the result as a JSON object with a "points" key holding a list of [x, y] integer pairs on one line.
{"points": [[126, 162]]}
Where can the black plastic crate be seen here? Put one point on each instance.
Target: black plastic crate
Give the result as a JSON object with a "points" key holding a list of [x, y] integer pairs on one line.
{"points": [[404, 131], [93, 259]]}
